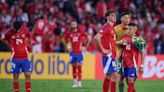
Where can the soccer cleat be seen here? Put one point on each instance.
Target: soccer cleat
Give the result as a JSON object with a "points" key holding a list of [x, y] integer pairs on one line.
{"points": [[74, 86], [74, 83], [79, 84]]}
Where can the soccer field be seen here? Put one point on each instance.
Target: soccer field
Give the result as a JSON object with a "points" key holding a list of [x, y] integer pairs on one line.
{"points": [[88, 86]]}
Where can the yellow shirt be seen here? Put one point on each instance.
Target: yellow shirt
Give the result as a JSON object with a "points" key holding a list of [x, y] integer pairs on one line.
{"points": [[120, 33]]}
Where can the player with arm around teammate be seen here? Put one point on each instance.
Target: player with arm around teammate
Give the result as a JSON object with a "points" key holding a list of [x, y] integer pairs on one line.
{"points": [[129, 58]]}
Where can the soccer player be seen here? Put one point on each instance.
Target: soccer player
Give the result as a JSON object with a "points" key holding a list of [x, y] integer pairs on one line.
{"points": [[17, 37], [129, 60], [77, 40], [106, 40], [120, 30]]}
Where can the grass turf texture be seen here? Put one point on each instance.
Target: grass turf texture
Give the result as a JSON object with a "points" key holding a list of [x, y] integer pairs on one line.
{"points": [[88, 86]]}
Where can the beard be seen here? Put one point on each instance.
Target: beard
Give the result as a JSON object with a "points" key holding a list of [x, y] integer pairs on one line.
{"points": [[73, 28]]}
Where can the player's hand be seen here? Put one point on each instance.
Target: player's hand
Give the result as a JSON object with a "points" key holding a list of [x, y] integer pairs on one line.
{"points": [[124, 42], [141, 70]]}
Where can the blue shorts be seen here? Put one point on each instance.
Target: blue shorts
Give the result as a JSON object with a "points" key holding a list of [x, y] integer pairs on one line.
{"points": [[76, 58], [130, 72], [17, 65], [109, 65]]}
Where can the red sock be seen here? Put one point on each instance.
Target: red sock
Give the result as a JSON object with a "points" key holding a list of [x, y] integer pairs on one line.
{"points": [[74, 71], [113, 86], [134, 90], [106, 85], [16, 86], [130, 87], [79, 72], [28, 86]]}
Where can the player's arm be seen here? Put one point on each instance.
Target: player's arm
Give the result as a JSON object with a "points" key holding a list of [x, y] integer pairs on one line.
{"points": [[119, 42], [66, 41], [87, 40], [98, 39], [142, 63]]}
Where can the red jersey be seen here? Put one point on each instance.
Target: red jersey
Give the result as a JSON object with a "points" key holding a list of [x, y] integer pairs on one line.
{"points": [[17, 41], [129, 53], [76, 39], [40, 26], [108, 39]]}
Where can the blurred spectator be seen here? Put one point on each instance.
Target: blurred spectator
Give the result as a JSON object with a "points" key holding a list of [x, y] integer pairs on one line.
{"points": [[49, 20], [159, 45], [3, 45]]}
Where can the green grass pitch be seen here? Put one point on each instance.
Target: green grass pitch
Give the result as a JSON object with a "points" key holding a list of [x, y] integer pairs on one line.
{"points": [[88, 86]]}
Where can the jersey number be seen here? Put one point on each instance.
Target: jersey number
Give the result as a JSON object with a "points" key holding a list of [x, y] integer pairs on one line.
{"points": [[128, 47], [75, 39], [19, 41], [40, 24]]}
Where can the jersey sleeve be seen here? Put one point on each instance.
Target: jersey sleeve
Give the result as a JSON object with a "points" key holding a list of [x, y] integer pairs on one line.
{"points": [[103, 31]]}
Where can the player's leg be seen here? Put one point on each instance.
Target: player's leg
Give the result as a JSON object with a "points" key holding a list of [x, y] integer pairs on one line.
{"points": [[74, 69], [79, 59], [106, 83], [74, 73], [121, 83], [131, 75], [16, 82], [106, 65], [15, 67], [26, 67], [121, 77], [114, 75], [130, 84], [120, 74], [28, 82]]}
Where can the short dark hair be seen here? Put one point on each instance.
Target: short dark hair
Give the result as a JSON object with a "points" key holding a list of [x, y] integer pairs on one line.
{"points": [[109, 12], [125, 13], [17, 25]]}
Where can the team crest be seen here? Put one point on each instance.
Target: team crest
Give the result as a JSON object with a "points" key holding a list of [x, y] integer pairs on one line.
{"points": [[13, 37], [23, 35], [101, 31]]}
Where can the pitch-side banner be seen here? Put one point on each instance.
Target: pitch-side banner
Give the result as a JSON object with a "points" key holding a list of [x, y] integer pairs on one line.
{"points": [[49, 66], [153, 68]]}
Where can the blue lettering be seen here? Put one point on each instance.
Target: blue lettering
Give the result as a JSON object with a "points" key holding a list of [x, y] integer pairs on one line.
{"points": [[1, 61], [42, 67], [68, 64], [6, 69], [53, 65], [59, 62], [32, 62], [49, 64]]}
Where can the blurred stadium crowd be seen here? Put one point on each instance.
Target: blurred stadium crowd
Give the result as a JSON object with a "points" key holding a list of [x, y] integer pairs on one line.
{"points": [[49, 20]]}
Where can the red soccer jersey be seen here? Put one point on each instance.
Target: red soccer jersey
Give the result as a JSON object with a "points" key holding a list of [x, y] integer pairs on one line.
{"points": [[18, 43], [76, 38], [129, 53], [40, 26], [108, 39]]}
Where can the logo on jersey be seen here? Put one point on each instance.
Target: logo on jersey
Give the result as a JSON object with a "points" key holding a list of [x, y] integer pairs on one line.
{"points": [[132, 74], [101, 31], [23, 35], [13, 37], [19, 41]]}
